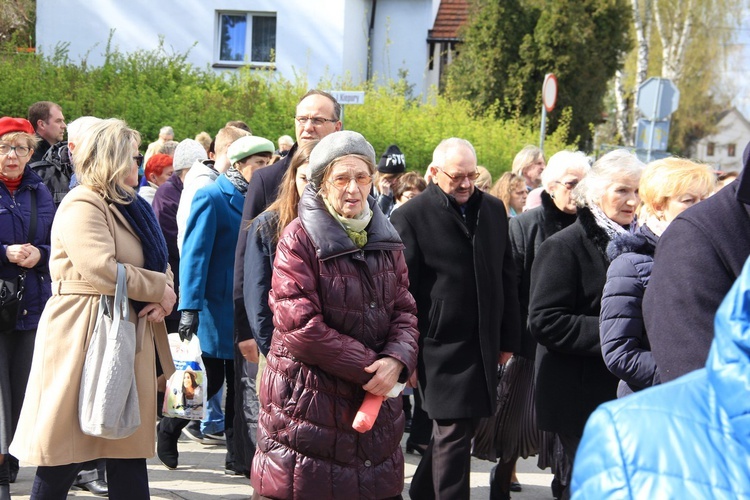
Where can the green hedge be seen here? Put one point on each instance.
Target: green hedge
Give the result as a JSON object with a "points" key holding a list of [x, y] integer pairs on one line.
{"points": [[153, 88]]}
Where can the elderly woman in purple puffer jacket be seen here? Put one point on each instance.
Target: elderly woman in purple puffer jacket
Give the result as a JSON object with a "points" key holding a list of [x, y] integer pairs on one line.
{"points": [[345, 325]]}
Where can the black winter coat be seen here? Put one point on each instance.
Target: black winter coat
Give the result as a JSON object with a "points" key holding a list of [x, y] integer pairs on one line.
{"points": [[697, 260], [261, 192], [467, 299], [527, 232], [259, 254], [625, 346], [567, 279]]}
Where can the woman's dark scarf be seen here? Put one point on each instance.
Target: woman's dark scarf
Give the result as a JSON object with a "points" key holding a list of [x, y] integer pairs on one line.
{"points": [[140, 216], [238, 181]]}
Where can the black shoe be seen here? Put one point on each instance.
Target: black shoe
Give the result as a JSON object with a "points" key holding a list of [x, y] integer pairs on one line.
{"points": [[98, 487], [415, 448], [166, 448], [230, 470], [515, 486]]}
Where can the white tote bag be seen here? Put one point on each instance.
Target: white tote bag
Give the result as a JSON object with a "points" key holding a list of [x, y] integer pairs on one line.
{"points": [[108, 400], [186, 388]]}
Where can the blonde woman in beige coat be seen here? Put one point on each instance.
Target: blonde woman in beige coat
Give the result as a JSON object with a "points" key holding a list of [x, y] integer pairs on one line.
{"points": [[98, 224]]}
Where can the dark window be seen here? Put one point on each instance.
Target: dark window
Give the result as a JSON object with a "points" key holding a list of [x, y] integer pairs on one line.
{"points": [[731, 149], [246, 38], [710, 149]]}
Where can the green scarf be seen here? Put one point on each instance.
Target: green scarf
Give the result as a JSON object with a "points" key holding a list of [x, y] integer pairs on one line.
{"points": [[355, 228]]}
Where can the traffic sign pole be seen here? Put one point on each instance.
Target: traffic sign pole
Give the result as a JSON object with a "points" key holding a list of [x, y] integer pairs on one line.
{"points": [[549, 98]]}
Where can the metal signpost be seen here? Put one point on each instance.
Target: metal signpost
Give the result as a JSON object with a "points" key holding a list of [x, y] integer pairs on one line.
{"points": [[549, 99], [658, 98], [345, 97]]}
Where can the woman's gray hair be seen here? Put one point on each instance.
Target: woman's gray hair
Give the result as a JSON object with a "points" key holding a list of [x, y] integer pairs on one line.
{"points": [[606, 170], [563, 163]]}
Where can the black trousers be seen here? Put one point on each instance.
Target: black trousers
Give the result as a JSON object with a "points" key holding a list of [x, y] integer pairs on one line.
{"points": [[128, 480], [421, 425], [443, 472], [570, 444]]}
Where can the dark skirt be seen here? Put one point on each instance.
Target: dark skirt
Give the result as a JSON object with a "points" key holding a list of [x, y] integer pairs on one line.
{"points": [[512, 431]]}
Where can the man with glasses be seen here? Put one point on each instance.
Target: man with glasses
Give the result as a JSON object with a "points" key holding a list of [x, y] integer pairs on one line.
{"points": [[49, 124], [462, 277], [316, 116]]}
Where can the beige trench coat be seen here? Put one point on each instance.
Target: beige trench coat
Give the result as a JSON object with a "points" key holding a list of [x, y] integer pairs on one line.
{"points": [[89, 238]]}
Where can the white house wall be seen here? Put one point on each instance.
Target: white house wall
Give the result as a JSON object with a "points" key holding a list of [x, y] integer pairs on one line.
{"points": [[309, 33], [318, 39], [732, 129], [400, 40]]}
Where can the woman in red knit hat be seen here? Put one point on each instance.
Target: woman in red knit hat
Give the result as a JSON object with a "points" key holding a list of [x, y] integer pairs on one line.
{"points": [[26, 212]]}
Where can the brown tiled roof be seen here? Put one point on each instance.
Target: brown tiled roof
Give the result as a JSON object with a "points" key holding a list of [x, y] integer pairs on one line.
{"points": [[452, 14]]}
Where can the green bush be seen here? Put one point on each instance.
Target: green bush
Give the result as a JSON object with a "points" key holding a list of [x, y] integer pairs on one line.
{"points": [[153, 88]]}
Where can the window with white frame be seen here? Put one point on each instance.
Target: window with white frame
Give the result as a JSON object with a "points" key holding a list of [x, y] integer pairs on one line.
{"points": [[245, 37]]}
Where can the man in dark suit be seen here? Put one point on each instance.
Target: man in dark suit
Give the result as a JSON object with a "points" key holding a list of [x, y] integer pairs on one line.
{"points": [[462, 276], [317, 115]]}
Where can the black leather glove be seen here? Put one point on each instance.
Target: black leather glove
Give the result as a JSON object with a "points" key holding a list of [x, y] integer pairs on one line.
{"points": [[188, 324]]}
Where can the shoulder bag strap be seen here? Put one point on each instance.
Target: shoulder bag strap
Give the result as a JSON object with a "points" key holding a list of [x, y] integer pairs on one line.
{"points": [[33, 222], [32, 235]]}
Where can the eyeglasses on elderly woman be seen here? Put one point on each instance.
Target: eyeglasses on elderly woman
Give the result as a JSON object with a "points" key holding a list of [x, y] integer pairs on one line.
{"points": [[343, 181], [569, 184], [21, 151]]}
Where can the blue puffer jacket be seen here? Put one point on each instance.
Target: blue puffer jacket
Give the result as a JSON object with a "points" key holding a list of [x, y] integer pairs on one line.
{"points": [[625, 346], [689, 438], [15, 216]]}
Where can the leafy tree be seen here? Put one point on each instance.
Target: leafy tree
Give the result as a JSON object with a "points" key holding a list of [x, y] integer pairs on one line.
{"points": [[509, 46], [682, 40], [17, 19]]}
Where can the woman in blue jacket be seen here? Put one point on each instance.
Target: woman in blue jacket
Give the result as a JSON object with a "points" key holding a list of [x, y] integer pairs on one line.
{"points": [[206, 282], [26, 255], [688, 438], [667, 188]]}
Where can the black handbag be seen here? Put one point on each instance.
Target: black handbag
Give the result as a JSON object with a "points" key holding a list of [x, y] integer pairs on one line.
{"points": [[11, 289], [11, 293]]}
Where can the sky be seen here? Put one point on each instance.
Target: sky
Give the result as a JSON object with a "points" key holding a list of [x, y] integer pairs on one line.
{"points": [[738, 67]]}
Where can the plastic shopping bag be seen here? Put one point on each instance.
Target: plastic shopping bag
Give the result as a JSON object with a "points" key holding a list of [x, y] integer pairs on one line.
{"points": [[186, 388]]}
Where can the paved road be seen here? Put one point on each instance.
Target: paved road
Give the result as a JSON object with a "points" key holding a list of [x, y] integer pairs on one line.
{"points": [[200, 476]]}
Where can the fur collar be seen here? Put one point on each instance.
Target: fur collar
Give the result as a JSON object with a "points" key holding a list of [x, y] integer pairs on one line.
{"points": [[554, 219], [643, 242], [596, 234]]}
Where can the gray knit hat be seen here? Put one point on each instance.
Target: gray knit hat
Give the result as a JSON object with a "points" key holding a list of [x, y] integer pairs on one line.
{"points": [[188, 152], [334, 146]]}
